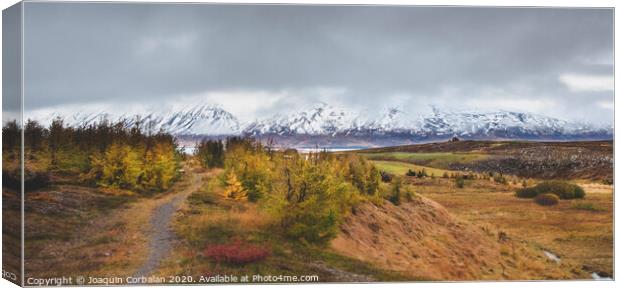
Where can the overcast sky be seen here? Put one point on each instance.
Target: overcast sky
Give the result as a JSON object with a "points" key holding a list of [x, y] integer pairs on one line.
{"points": [[257, 60]]}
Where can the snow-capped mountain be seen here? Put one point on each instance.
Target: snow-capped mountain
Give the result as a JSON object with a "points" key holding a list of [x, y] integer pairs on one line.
{"points": [[324, 120], [191, 120], [501, 124], [200, 120], [323, 124]]}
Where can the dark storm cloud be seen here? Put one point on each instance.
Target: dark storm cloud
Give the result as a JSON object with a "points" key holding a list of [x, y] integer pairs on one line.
{"points": [[416, 56]]}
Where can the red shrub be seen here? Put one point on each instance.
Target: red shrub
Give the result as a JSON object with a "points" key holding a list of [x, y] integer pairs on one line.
{"points": [[237, 252]]}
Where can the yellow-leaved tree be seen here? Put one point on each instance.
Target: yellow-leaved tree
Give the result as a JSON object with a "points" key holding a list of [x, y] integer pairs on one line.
{"points": [[120, 166], [234, 189], [160, 169]]}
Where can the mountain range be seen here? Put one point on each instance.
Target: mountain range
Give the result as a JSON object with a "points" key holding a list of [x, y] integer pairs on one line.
{"points": [[326, 125]]}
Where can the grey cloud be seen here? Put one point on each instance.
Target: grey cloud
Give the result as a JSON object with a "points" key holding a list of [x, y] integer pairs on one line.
{"points": [[113, 52], [11, 63]]}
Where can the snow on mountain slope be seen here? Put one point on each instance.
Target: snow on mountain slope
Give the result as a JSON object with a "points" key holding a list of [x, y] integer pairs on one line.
{"points": [[326, 120], [204, 119], [465, 124], [323, 120], [191, 120]]}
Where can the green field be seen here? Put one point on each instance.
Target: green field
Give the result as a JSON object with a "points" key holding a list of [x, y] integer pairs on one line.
{"points": [[401, 168], [437, 160]]}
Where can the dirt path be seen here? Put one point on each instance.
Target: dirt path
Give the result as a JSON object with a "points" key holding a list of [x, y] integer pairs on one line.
{"points": [[160, 235]]}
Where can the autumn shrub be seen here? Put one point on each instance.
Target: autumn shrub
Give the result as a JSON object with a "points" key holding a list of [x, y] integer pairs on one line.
{"points": [[312, 227], [499, 178], [524, 183], [373, 180], [409, 195], [362, 174], [563, 190], [233, 188], [315, 204], [395, 196], [460, 182], [422, 173], [237, 252], [202, 197], [386, 177], [317, 194], [586, 206], [527, 192], [547, 199]]}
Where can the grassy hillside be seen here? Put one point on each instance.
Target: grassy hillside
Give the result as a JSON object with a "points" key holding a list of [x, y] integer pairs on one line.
{"points": [[433, 159]]}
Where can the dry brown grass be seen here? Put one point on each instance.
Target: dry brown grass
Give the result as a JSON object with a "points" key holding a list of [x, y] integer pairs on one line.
{"points": [[83, 241], [246, 218], [95, 242], [424, 240], [580, 237]]}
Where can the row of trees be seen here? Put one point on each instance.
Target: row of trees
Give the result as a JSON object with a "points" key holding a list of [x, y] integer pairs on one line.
{"points": [[111, 154]]}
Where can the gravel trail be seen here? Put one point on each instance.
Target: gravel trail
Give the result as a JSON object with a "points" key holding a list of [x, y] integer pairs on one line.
{"points": [[161, 236]]}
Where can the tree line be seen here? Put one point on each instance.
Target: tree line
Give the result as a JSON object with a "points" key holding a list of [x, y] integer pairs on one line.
{"points": [[110, 154]]}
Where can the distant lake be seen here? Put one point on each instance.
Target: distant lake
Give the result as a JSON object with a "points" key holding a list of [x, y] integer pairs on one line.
{"points": [[192, 150], [330, 149], [188, 150]]}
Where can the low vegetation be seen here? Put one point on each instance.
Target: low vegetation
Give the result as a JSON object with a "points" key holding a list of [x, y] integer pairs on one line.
{"points": [[547, 199], [587, 206], [460, 182], [561, 189], [237, 252], [499, 178]]}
